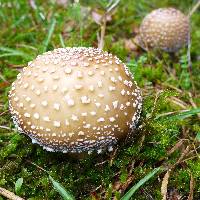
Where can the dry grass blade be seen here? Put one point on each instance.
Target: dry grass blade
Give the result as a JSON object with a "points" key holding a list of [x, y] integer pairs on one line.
{"points": [[192, 185], [175, 147], [9, 195], [7, 128], [195, 7], [183, 155], [178, 102], [164, 185]]}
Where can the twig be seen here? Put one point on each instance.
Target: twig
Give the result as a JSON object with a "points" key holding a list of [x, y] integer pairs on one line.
{"points": [[9, 195], [37, 166], [195, 7]]}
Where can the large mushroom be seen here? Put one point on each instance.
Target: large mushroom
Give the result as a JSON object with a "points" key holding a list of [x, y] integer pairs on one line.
{"points": [[75, 100], [164, 28]]}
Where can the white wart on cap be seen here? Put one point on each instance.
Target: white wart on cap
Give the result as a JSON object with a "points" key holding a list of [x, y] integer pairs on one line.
{"points": [[75, 100], [164, 28]]}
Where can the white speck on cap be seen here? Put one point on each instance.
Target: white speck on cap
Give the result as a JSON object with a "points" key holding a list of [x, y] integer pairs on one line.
{"points": [[56, 106], [44, 103], [85, 100]]}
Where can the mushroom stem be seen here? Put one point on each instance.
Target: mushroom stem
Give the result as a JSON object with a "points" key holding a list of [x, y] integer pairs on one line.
{"points": [[110, 8], [103, 30], [9, 195]]}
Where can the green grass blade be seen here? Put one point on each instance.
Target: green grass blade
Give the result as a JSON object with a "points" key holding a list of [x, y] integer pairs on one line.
{"points": [[14, 52], [181, 115], [186, 114], [49, 35], [130, 193], [19, 21], [61, 40], [198, 137], [65, 194]]}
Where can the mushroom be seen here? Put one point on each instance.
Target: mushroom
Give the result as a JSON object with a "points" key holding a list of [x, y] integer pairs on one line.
{"points": [[75, 100], [164, 28]]}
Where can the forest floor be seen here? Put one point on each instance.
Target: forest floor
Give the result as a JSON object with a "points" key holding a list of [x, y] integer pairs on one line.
{"points": [[169, 133]]}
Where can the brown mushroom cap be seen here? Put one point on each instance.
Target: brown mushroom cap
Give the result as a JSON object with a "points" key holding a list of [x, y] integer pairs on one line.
{"points": [[75, 100], [164, 28]]}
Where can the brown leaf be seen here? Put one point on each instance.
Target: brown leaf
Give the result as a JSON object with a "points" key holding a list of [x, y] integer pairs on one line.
{"points": [[4, 84]]}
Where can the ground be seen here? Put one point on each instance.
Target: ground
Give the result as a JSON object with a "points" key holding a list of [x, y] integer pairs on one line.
{"points": [[168, 133]]}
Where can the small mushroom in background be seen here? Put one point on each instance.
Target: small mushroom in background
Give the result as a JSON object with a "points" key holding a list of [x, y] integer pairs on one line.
{"points": [[75, 100], [166, 29]]}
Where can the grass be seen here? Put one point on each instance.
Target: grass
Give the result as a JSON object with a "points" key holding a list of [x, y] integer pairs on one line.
{"points": [[169, 127]]}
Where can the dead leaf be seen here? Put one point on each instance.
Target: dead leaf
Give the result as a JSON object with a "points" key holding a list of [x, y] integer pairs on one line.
{"points": [[4, 84]]}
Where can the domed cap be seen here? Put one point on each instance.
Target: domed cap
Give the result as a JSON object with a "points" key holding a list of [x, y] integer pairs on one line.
{"points": [[75, 100], [164, 28]]}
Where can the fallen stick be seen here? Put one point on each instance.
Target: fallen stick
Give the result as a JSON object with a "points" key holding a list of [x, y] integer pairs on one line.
{"points": [[9, 195]]}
